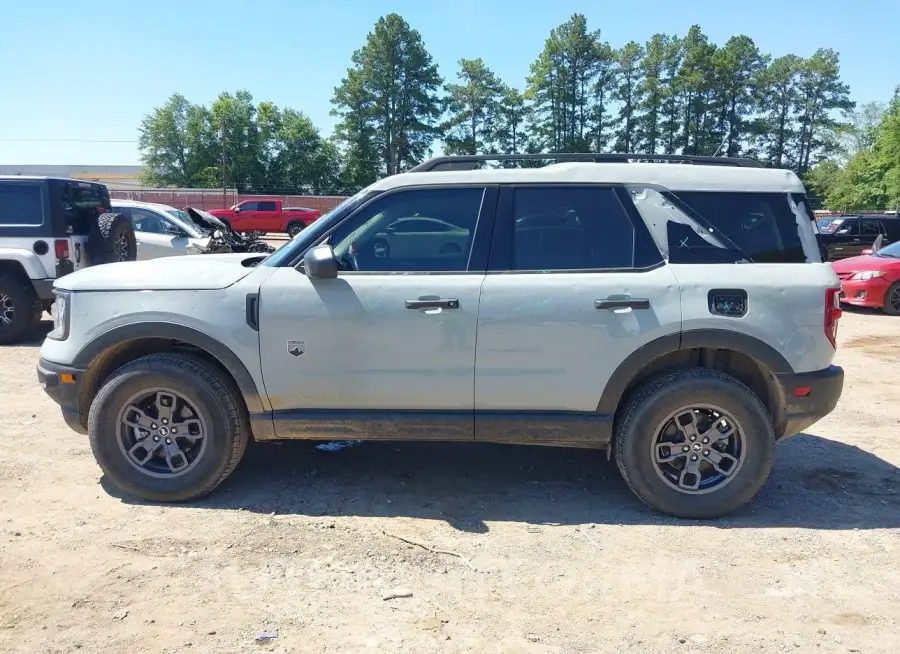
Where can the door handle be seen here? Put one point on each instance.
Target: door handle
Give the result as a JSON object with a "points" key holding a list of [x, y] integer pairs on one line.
{"points": [[622, 303], [440, 303]]}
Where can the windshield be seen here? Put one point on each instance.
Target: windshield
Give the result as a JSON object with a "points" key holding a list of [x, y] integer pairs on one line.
{"points": [[828, 225], [891, 251], [312, 234], [186, 219]]}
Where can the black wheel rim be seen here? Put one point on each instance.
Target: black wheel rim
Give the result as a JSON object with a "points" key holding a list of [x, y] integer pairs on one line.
{"points": [[161, 433], [122, 248], [893, 300], [698, 449], [294, 230], [7, 311]]}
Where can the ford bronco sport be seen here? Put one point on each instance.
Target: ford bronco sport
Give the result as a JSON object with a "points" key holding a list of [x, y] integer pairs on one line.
{"points": [[597, 302], [50, 227]]}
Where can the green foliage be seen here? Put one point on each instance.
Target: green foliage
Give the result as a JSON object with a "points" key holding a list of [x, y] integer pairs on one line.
{"points": [[388, 103], [673, 94]]}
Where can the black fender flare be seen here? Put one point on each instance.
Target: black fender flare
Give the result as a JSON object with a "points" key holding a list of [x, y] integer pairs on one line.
{"points": [[173, 331], [718, 339]]}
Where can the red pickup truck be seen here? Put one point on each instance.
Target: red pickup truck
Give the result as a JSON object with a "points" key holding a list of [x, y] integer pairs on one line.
{"points": [[266, 216]]}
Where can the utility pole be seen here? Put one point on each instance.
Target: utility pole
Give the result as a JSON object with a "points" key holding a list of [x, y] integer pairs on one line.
{"points": [[225, 204]]}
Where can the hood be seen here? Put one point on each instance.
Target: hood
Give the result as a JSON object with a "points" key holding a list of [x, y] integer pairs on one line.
{"points": [[865, 262], [190, 273], [220, 212], [206, 219]]}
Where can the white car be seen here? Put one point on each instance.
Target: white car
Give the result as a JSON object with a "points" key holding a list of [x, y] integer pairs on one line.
{"points": [[161, 230]]}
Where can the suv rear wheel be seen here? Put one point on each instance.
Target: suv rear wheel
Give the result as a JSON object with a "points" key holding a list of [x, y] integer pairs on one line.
{"points": [[20, 309], [694, 444], [168, 428]]}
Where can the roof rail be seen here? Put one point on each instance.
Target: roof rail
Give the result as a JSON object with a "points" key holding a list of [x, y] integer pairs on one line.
{"points": [[471, 161]]}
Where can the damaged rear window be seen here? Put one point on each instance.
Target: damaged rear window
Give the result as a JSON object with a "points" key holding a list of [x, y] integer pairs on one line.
{"points": [[762, 225]]}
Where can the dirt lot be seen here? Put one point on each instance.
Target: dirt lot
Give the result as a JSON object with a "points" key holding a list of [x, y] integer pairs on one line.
{"points": [[554, 553]]}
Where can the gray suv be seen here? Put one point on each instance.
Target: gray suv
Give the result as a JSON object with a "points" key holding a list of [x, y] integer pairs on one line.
{"points": [[674, 312]]}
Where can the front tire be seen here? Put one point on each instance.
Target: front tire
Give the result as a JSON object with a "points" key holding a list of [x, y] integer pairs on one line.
{"points": [[694, 444], [168, 428], [294, 228], [891, 304], [20, 309]]}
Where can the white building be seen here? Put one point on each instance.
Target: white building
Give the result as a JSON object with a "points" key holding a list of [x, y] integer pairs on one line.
{"points": [[114, 177]]}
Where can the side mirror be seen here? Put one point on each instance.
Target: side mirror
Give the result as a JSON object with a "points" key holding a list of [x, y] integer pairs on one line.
{"points": [[237, 209], [868, 251], [320, 263], [174, 230]]}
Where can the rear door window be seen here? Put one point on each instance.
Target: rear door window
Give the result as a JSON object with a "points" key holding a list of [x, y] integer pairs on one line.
{"points": [[21, 204], [762, 225], [266, 206]]}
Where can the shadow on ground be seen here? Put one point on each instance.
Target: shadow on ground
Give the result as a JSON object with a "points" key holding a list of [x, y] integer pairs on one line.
{"points": [[35, 336], [816, 483]]}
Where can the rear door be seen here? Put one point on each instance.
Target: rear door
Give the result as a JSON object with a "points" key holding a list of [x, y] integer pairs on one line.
{"points": [[575, 285], [869, 230], [268, 218]]}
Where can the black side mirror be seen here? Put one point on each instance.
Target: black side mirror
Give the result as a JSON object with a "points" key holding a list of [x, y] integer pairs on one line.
{"points": [[320, 263]]}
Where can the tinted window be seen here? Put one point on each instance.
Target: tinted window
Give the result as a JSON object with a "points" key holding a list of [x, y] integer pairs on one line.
{"points": [[570, 228], [761, 224], [363, 242], [21, 204], [869, 227], [266, 206], [850, 227], [250, 206]]}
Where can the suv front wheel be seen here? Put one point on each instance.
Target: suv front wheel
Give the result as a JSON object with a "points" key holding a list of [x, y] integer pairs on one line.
{"points": [[168, 427], [694, 444]]}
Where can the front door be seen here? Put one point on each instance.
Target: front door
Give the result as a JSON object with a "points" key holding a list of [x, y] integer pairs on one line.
{"points": [[390, 335], [845, 242], [575, 285], [153, 239]]}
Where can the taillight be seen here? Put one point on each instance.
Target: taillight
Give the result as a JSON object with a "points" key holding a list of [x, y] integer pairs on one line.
{"points": [[832, 314], [62, 249]]}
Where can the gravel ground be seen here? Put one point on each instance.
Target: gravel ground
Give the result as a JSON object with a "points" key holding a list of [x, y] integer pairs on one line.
{"points": [[518, 550]]}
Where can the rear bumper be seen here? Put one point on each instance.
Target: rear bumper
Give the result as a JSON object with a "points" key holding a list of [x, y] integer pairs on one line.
{"points": [[43, 288], [63, 385], [809, 397]]}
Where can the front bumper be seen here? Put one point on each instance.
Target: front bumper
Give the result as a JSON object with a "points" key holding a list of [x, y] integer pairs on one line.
{"points": [[809, 397], [864, 293], [63, 385]]}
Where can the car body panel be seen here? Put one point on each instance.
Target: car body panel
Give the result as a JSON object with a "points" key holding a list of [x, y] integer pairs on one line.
{"points": [[867, 292]]}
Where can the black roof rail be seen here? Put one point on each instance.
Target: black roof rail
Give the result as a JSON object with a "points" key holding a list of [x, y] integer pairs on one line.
{"points": [[471, 161]]}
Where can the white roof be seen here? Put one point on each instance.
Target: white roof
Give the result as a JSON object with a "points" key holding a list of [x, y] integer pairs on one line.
{"points": [[145, 205], [676, 177]]}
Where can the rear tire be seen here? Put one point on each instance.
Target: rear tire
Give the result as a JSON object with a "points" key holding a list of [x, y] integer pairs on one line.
{"points": [[294, 228], [891, 304], [20, 309], [647, 424], [112, 239], [136, 457]]}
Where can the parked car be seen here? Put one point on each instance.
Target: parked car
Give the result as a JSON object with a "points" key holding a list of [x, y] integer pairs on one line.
{"points": [[267, 216], [872, 280], [613, 317], [164, 231], [50, 227], [848, 236]]}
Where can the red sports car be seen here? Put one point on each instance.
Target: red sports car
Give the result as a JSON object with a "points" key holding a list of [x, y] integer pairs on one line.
{"points": [[872, 280]]}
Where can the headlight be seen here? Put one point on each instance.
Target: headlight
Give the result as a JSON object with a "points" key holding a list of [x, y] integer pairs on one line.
{"points": [[61, 313], [868, 274]]}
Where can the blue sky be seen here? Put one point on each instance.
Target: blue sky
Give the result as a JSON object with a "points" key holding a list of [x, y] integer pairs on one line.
{"points": [[91, 69]]}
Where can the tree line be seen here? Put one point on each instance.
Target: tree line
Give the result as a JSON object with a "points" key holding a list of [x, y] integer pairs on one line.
{"points": [[672, 94]]}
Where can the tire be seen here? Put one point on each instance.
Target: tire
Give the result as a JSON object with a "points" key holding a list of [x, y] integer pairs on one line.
{"points": [[892, 309], [648, 408], [112, 239], [295, 228], [217, 405], [227, 224], [20, 309]]}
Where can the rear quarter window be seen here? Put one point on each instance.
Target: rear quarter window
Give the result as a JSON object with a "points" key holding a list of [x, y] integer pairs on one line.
{"points": [[761, 224], [21, 204]]}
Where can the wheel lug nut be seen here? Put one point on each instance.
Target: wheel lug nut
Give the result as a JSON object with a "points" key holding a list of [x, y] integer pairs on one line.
{"points": [[165, 422], [168, 441], [705, 452], [156, 438], [174, 430], [705, 440], [693, 457], [154, 426], [685, 449], [693, 438]]}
